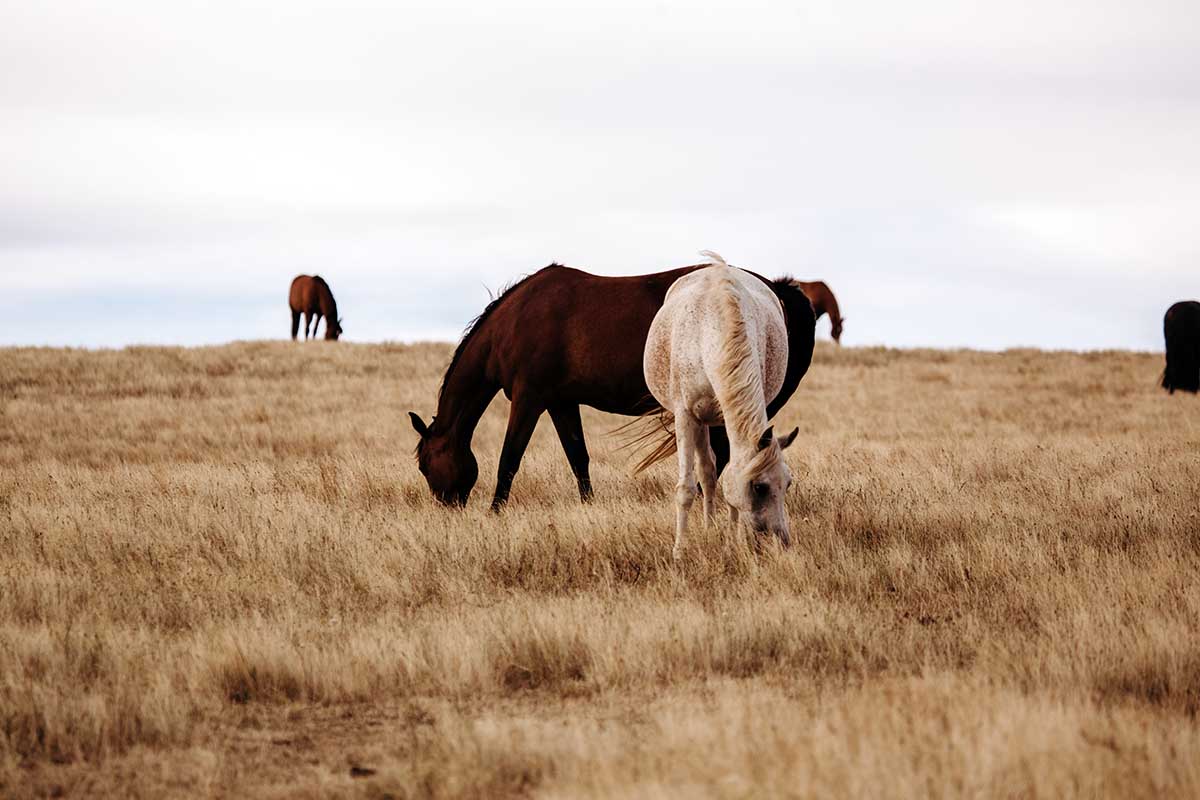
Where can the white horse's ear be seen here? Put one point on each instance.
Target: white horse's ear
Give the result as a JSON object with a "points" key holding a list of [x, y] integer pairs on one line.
{"points": [[764, 441], [418, 424], [787, 440]]}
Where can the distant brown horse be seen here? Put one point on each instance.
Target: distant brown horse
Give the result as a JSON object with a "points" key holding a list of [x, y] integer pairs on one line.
{"points": [[823, 302], [558, 339], [1181, 329], [311, 297]]}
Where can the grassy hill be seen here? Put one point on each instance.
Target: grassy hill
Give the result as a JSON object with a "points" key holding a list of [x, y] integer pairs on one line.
{"points": [[223, 574]]}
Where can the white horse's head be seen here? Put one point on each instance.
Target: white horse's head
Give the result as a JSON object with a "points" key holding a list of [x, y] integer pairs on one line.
{"points": [[756, 486]]}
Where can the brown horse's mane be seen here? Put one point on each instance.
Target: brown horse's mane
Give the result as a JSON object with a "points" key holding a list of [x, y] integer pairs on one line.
{"points": [[475, 324], [786, 284]]}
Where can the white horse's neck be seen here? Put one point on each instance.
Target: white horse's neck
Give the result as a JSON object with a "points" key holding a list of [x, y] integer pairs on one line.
{"points": [[737, 376], [743, 448]]}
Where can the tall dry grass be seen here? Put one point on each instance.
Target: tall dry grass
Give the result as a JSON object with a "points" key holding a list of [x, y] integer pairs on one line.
{"points": [[222, 574]]}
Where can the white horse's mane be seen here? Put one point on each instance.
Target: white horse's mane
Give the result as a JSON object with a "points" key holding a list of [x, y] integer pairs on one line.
{"points": [[738, 383]]}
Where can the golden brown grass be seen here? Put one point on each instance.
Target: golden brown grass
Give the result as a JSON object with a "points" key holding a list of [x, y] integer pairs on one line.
{"points": [[222, 574]]}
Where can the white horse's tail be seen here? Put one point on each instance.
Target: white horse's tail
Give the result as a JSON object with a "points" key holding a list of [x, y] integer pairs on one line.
{"points": [[652, 435], [650, 438]]}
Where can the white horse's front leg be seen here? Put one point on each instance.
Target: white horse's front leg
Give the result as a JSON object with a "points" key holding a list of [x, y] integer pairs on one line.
{"points": [[685, 489]]}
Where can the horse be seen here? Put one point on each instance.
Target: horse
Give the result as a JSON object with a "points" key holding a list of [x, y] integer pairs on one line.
{"points": [[823, 302], [1181, 329], [716, 351], [557, 339], [310, 296]]}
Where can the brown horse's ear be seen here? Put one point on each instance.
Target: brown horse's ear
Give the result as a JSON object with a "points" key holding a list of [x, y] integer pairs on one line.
{"points": [[787, 440], [764, 441], [418, 425]]}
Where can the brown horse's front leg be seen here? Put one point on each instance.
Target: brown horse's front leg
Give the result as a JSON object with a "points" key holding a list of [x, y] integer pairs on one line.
{"points": [[522, 419], [570, 434]]}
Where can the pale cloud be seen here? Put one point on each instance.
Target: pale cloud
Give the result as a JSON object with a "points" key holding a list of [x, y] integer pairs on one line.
{"points": [[963, 157]]}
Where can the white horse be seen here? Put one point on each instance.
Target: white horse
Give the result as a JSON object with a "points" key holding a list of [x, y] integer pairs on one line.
{"points": [[716, 353]]}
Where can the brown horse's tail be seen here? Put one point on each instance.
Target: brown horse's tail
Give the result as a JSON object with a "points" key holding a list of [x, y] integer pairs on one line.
{"points": [[652, 435]]}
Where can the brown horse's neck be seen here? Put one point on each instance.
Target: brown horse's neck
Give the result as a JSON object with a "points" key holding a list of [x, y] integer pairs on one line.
{"points": [[466, 391], [801, 326], [819, 295], [832, 307], [325, 301]]}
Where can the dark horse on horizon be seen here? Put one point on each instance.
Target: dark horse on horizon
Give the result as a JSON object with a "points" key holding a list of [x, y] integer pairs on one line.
{"points": [[1181, 329], [823, 302], [558, 339], [310, 296]]}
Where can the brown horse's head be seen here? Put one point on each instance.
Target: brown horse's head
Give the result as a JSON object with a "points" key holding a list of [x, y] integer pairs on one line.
{"points": [[835, 329], [448, 465], [334, 330]]}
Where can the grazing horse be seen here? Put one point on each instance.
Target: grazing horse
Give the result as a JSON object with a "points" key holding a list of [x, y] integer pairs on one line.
{"points": [[1181, 329], [311, 297], [716, 351], [823, 302], [558, 339]]}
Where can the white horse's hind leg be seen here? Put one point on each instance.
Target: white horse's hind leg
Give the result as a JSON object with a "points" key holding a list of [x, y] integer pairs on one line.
{"points": [[685, 489], [706, 462]]}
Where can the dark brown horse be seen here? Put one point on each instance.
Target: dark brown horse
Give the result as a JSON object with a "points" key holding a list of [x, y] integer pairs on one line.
{"points": [[823, 302], [1181, 328], [558, 339], [311, 297]]}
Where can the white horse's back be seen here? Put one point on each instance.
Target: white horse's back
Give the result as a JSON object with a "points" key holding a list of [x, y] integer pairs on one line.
{"points": [[687, 339]]}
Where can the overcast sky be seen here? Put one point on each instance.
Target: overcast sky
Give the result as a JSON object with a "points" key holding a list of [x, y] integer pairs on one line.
{"points": [[987, 174]]}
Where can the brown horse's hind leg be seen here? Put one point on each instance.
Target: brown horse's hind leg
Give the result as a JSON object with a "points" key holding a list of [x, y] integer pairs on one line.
{"points": [[570, 433], [522, 419], [295, 324], [307, 319]]}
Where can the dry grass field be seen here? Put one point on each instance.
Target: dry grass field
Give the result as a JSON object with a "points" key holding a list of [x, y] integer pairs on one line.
{"points": [[222, 574]]}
